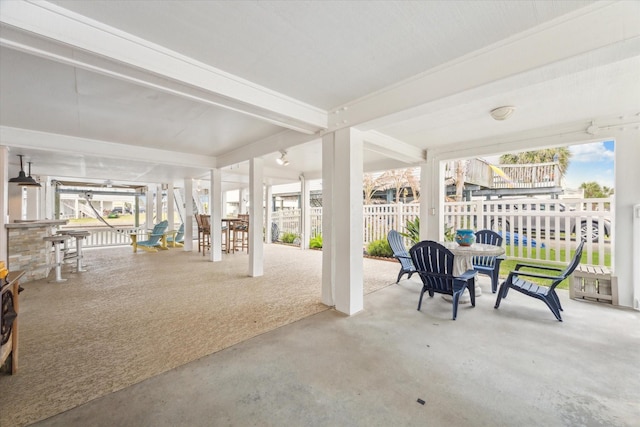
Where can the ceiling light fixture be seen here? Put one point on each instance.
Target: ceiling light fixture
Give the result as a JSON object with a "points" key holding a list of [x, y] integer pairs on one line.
{"points": [[282, 160], [22, 178], [502, 113]]}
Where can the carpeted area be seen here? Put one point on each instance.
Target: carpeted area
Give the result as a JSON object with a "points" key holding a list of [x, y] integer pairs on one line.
{"points": [[133, 316]]}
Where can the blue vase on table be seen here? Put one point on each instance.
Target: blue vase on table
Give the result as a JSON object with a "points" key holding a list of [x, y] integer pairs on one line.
{"points": [[465, 237]]}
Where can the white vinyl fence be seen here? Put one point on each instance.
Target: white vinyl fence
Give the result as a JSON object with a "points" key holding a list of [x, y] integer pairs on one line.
{"points": [[533, 229]]}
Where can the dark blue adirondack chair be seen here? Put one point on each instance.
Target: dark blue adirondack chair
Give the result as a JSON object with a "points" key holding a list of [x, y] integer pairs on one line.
{"points": [[488, 265], [434, 264], [178, 239], [400, 253], [547, 294], [154, 240]]}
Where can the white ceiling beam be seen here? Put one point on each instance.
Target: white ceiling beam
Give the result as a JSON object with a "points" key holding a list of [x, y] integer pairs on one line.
{"points": [[58, 34], [561, 47], [393, 148], [24, 138], [277, 142]]}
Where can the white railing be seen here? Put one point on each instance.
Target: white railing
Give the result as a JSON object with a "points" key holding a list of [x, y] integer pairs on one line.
{"points": [[104, 236], [533, 229]]}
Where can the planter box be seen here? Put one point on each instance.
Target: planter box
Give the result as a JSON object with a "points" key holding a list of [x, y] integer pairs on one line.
{"points": [[593, 283]]}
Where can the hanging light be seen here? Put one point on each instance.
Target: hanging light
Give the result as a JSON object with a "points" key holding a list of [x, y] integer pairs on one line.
{"points": [[282, 160], [33, 182], [22, 178]]}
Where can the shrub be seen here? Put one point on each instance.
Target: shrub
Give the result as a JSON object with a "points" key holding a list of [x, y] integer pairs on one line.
{"points": [[289, 237], [316, 242], [413, 230], [380, 248]]}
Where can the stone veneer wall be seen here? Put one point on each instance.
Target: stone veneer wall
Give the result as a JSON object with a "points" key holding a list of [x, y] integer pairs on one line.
{"points": [[28, 252]]}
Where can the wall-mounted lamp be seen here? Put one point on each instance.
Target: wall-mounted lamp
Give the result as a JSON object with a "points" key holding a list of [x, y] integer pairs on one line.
{"points": [[282, 160], [22, 178], [502, 113]]}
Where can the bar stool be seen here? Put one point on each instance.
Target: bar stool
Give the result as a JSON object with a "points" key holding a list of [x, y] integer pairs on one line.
{"points": [[57, 241], [80, 235]]}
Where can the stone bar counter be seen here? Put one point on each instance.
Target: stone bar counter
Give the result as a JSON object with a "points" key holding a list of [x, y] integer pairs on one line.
{"points": [[27, 249]]}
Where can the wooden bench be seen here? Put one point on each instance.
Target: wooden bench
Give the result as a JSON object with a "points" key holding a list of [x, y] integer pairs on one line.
{"points": [[594, 283]]}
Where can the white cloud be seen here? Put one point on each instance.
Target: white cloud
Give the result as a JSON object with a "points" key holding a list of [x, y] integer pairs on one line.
{"points": [[595, 152]]}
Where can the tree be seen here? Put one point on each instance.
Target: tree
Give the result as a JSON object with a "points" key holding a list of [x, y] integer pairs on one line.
{"points": [[370, 185], [396, 179], [547, 155], [593, 190]]}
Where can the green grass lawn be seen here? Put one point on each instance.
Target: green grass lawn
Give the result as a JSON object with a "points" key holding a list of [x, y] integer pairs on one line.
{"points": [[510, 264]]}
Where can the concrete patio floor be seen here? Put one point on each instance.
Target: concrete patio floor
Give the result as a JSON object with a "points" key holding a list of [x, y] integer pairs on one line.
{"points": [[512, 366]]}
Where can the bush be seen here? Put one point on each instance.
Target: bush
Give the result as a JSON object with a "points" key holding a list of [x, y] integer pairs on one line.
{"points": [[413, 230], [289, 237], [316, 242], [380, 248]]}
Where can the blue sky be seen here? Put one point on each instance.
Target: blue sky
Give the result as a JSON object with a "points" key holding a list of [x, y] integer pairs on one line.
{"points": [[589, 162]]}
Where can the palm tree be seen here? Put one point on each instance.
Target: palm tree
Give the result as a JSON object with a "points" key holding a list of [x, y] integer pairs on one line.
{"points": [[547, 155]]}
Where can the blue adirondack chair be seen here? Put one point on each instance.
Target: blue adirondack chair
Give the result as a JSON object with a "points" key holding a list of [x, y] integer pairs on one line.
{"points": [[177, 239], [400, 253], [546, 294], [154, 239], [434, 265], [488, 265]]}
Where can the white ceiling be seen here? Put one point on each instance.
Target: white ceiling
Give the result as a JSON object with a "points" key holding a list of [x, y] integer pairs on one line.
{"points": [[423, 73]]}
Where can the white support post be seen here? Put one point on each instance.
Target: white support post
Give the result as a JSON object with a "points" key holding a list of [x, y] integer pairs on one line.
{"points": [[347, 216], [256, 192], [4, 202], [328, 244], [425, 218], [170, 207], [33, 202], [149, 209], [305, 213], [215, 209], [159, 210], [242, 201], [432, 195], [188, 215], [268, 213]]}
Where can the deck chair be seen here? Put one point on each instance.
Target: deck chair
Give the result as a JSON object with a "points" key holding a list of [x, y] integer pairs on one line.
{"points": [[400, 253], [488, 265], [176, 239], [547, 294], [434, 265], [154, 239]]}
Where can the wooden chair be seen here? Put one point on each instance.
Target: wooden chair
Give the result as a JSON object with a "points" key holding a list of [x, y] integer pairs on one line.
{"points": [[155, 239], [400, 253], [488, 265], [546, 294], [434, 264], [240, 233], [205, 220], [176, 238], [199, 223]]}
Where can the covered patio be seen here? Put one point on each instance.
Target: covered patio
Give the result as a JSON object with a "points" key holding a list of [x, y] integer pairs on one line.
{"points": [[184, 343], [166, 94]]}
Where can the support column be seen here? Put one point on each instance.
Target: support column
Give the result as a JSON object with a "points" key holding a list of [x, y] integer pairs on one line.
{"points": [[432, 197], [215, 209], [328, 244], [305, 214], [149, 209], [242, 201], [624, 253], [188, 214], [268, 210], [256, 218], [346, 218], [171, 203], [159, 210], [4, 202]]}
